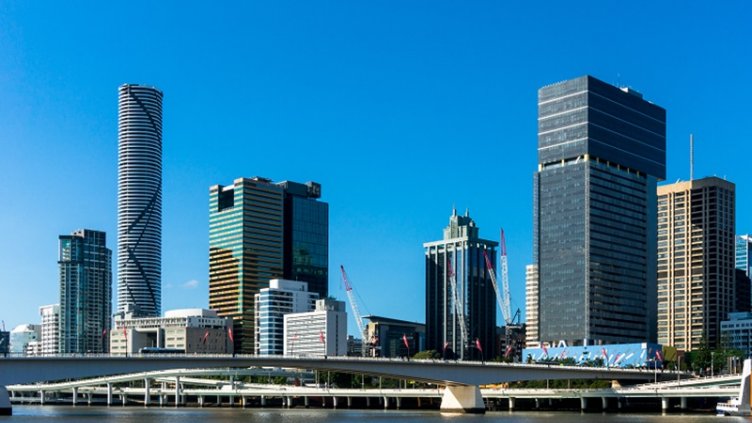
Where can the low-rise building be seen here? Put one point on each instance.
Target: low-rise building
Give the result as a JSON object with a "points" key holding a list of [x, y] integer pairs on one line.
{"points": [[736, 332], [21, 336], [4, 342], [386, 337], [193, 331], [282, 297], [322, 332]]}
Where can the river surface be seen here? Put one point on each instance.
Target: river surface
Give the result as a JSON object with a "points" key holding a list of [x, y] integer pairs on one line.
{"points": [[67, 414]]}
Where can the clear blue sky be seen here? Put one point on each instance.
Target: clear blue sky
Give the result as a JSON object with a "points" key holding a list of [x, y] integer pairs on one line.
{"points": [[399, 109]]}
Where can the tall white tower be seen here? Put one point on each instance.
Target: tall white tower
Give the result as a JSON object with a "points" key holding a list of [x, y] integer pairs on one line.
{"points": [[139, 199]]}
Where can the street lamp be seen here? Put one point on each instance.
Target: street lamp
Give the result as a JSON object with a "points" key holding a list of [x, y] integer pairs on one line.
{"points": [[712, 360]]}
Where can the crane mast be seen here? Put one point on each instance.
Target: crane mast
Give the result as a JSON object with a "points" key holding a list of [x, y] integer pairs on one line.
{"points": [[354, 306], [459, 309], [502, 295]]}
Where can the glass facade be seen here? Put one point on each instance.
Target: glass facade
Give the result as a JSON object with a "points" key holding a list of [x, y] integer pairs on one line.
{"points": [[461, 249], [306, 236], [743, 250], [600, 151], [85, 265]]}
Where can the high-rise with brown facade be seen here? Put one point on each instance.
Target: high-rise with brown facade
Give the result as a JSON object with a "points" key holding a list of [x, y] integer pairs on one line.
{"points": [[696, 284]]}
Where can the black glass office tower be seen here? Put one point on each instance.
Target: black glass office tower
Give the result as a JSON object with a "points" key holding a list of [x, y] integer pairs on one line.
{"points": [[457, 262], [601, 150], [306, 236]]}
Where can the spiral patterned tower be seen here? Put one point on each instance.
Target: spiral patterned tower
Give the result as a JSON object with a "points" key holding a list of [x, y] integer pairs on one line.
{"points": [[139, 200]]}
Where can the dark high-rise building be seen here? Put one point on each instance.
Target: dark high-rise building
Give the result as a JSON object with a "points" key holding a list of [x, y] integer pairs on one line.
{"points": [[457, 261], [85, 292], [306, 236], [601, 150], [258, 231], [140, 200]]}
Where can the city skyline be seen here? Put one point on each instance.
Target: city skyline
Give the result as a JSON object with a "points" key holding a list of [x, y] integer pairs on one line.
{"points": [[440, 87]]}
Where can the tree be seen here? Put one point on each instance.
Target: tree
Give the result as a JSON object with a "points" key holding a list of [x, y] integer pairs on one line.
{"points": [[427, 355]]}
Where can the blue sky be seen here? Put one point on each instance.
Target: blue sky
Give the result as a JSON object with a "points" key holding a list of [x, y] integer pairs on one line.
{"points": [[399, 109]]}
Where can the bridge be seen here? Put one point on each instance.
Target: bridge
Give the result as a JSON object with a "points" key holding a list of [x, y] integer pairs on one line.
{"points": [[462, 379]]}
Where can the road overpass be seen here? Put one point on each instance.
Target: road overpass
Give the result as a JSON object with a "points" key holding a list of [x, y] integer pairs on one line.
{"points": [[462, 379]]}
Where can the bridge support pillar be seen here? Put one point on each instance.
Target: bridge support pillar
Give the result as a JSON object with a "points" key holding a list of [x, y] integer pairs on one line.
{"points": [[109, 394], [177, 391], [74, 396], [368, 401], [147, 394], [511, 403], [462, 399], [263, 401], [88, 398], [124, 398], [583, 403], [537, 403], [41, 397], [5, 408], [683, 404], [399, 403], [219, 400], [349, 402], [386, 403], [604, 403], [664, 403], [242, 402], [305, 401], [201, 401], [334, 402]]}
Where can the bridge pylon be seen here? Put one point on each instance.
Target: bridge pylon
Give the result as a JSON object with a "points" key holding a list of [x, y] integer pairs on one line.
{"points": [[5, 408], [462, 399]]}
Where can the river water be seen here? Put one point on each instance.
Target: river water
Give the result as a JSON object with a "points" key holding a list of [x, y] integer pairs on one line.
{"points": [[67, 414]]}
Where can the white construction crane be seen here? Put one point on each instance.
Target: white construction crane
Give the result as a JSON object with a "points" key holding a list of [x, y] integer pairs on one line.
{"points": [[354, 306], [502, 297], [459, 307]]}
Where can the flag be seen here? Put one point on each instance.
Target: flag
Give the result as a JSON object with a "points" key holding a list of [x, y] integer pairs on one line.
{"points": [[446, 345], [404, 341], [508, 352], [658, 355], [206, 336], [321, 336], [545, 350], [104, 332], [477, 345], [229, 334], [604, 353], [125, 332]]}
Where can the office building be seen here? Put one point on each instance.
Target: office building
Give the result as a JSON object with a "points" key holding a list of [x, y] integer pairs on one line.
{"points": [[246, 232], [192, 331], [4, 342], [601, 150], [743, 253], [139, 247], [354, 346], [531, 305], [282, 297], [385, 337], [50, 332], [736, 332], [696, 254], [306, 236], [742, 291], [85, 265], [21, 336], [258, 231], [318, 333], [456, 273]]}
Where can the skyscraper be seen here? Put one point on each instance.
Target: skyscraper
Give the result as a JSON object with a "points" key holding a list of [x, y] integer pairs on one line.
{"points": [[459, 257], [258, 231], [246, 232], [306, 236], [696, 275], [744, 253], [282, 297], [140, 200], [85, 292], [601, 150]]}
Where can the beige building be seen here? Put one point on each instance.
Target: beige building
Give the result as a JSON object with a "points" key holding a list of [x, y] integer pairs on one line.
{"points": [[531, 305], [193, 331], [695, 261]]}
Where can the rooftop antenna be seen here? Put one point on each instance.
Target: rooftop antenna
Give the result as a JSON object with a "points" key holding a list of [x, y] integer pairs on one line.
{"points": [[691, 157]]}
